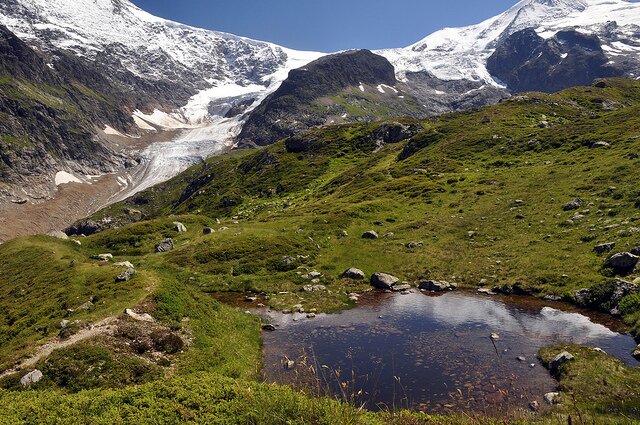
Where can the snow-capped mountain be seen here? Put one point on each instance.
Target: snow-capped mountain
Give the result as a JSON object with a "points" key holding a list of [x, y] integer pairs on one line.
{"points": [[462, 53], [133, 45]]}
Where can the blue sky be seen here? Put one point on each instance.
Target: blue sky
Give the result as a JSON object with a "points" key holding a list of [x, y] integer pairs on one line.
{"points": [[328, 25]]}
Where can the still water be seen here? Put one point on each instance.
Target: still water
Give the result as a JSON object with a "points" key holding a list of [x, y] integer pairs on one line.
{"points": [[433, 353]]}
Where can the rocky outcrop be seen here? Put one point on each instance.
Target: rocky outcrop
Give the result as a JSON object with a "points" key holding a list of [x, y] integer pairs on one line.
{"points": [[320, 90], [527, 62]]}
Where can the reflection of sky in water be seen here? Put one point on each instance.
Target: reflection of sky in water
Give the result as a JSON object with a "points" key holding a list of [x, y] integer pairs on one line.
{"points": [[437, 343]]}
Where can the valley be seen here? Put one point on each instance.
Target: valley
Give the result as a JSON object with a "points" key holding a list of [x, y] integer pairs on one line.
{"points": [[201, 227]]}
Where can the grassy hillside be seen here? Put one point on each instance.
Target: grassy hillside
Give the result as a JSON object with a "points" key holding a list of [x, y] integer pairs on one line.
{"points": [[484, 191]]}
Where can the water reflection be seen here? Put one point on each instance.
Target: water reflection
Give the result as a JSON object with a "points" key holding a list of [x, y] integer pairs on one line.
{"points": [[432, 353]]}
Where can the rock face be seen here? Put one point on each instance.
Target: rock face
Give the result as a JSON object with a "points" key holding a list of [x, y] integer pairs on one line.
{"points": [[353, 273], [383, 280], [622, 264], [304, 99], [528, 62], [31, 378], [437, 286]]}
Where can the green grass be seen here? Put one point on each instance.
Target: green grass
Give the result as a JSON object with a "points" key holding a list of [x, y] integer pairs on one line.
{"points": [[484, 190]]}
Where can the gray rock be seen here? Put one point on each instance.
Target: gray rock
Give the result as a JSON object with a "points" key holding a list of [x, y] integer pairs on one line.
{"points": [[389, 235], [58, 234], [268, 327], [622, 263], [560, 360], [145, 317], [103, 257], [179, 227], [314, 288], [208, 231], [522, 359], [85, 306], [582, 296], [126, 275], [314, 274], [371, 234], [414, 245], [534, 406], [383, 280], [494, 336], [31, 378], [126, 264], [288, 260], [636, 353], [401, 288], [165, 246], [437, 286], [601, 144], [289, 364], [573, 205], [64, 324], [605, 247], [486, 291], [552, 398], [250, 299], [353, 273]]}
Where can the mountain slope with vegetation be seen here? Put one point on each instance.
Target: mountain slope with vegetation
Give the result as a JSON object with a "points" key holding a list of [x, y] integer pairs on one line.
{"points": [[482, 198]]}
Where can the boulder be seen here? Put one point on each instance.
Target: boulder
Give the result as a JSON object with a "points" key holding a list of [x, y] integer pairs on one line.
{"points": [[58, 234], [126, 275], [371, 234], [179, 227], [268, 327], [86, 228], [600, 144], [603, 248], [414, 245], [560, 360], [139, 317], [126, 264], [103, 257], [353, 273], [437, 286], [165, 246], [573, 205], [31, 378], [208, 231], [622, 264], [401, 288], [552, 398], [383, 280]]}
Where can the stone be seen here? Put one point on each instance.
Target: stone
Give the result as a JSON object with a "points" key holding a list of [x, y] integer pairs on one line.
{"points": [[268, 327], [494, 336], [603, 248], [582, 296], [636, 353], [414, 245], [534, 406], [165, 246], [126, 264], [383, 280], [311, 315], [58, 234], [103, 257], [314, 275], [179, 227], [288, 260], [560, 360], [437, 286], [145, 317], [77, 242], [573, 205], [353, 273], [208, 231], [552, 398], [389, 235], [600, 144], [250, 299], [85, 306], [31, 378], [64, 324], [486, 291], [126, 275], [314, 288], [289, 364], [522, 359], [371, 234], [622, 264], [401, 288]]}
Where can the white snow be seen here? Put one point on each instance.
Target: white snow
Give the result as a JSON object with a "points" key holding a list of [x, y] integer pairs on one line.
{"points": [[63, 177], [142, 124], [112, 131], [380, 89], [461, 53]]}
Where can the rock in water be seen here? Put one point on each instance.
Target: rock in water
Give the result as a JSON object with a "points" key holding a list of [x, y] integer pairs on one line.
{"points": [[31, 378], [436, 286], [353, 273], [165, 246], [383, 280]]}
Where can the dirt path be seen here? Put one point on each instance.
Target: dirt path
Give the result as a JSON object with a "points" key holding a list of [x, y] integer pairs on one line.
{"points": [[103, 327]]}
